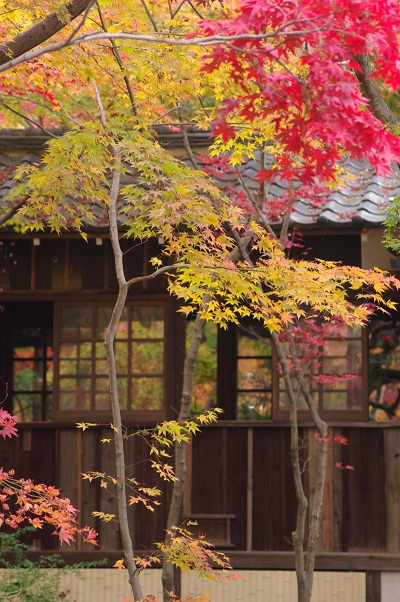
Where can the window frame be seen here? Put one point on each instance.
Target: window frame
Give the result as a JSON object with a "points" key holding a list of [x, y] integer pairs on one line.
{"points": [[227, 373], [128, 416], [358, 415]]}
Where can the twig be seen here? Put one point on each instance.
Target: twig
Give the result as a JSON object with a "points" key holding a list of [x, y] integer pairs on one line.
{"points": [[118, 58], [83, 20], [28, 119]]}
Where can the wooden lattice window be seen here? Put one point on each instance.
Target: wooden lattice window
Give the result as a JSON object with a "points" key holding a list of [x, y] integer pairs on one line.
{"points": [[82, 384], [32, 368], [340, 354]]}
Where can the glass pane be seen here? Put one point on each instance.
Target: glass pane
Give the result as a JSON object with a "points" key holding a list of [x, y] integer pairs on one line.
{"points": [[147, 393], [205, 370], [85, 350], [102, 384], [284, 403], [384, 370], [103, 319], [123, 326], [335, 400], [254, 374], [67, 401], [68, 351], [84, 367], [147, 358], [28, 342], [336, 347], [102, 401], [100, 351], [254, 341], [28, 375], [147, 322], [32, 374], [335, 365], [121, 357], [49, 375], [83, 400], [68, 367], [254, 406], [123, 393], [76, 323], [68, 384], [28, 407]]}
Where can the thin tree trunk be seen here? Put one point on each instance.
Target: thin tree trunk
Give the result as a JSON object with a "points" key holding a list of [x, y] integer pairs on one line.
{"points": [[116, 412], [168, 577], [304, 551]]}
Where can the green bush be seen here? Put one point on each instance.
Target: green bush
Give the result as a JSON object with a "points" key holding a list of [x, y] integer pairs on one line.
{"points": [[26, 580]]}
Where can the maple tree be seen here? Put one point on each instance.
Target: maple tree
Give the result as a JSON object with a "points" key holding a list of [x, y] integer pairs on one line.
{"points": [[277, 78], [23, 501]]}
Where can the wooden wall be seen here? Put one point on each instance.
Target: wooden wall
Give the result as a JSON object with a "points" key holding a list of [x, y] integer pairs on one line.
{"points": [[240, 479], [69, 265]]}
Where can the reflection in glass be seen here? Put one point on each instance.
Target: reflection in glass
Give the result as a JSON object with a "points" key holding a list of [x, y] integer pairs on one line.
{"points": [[32, 373], [254, 406], [76, 323], [139, 350], [205, 371], [384, 370], [147, 358], [254, 373], [148, 322], [147, 393]]}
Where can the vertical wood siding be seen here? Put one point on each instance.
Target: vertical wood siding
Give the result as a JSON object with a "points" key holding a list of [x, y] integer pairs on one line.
{"points": [[362, 509]]}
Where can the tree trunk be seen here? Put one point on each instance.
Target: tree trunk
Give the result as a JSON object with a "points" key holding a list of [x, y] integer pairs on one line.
{"points": [[168, 577], [116, 412], [304, 550]]}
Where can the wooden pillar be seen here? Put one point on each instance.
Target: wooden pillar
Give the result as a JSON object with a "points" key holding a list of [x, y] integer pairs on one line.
{"points": [[392, 488], [373, 586]]}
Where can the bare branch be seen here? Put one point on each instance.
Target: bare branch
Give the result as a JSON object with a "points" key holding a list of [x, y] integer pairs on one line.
{"points": [[186, 143], [28, 119], [149, 15], [40, 32], [154, 39], [165, 268], [118, 58], [12, 211]]}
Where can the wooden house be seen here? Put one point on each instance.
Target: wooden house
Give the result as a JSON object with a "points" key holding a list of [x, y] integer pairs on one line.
{"points": [[56, 295]]}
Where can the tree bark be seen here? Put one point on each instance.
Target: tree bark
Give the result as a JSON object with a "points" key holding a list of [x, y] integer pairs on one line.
{"points": [[371, 91], [123, 287], [42, 31], [168, 577]]}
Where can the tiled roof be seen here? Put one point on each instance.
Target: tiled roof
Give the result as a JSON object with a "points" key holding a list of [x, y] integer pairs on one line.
{"points": [[360, 199]]}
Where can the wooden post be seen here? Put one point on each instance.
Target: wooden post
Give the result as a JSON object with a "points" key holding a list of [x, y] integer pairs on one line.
{"points": [[392, 488]]}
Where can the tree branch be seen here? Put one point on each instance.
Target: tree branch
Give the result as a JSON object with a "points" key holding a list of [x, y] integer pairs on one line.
{"points": [[371, 91], [42, 31], [12, 211]]}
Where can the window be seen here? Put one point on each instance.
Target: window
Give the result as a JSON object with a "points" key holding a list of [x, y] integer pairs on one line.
{"points": [[384, 370], [254, 374], [32, 373], [28, 376], [251, 387], [205, 370], [81, 367], [331, 361]]}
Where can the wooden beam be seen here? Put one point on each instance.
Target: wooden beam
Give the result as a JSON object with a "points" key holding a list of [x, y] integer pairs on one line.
{"points": [[261, 560], [373, 587]]}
